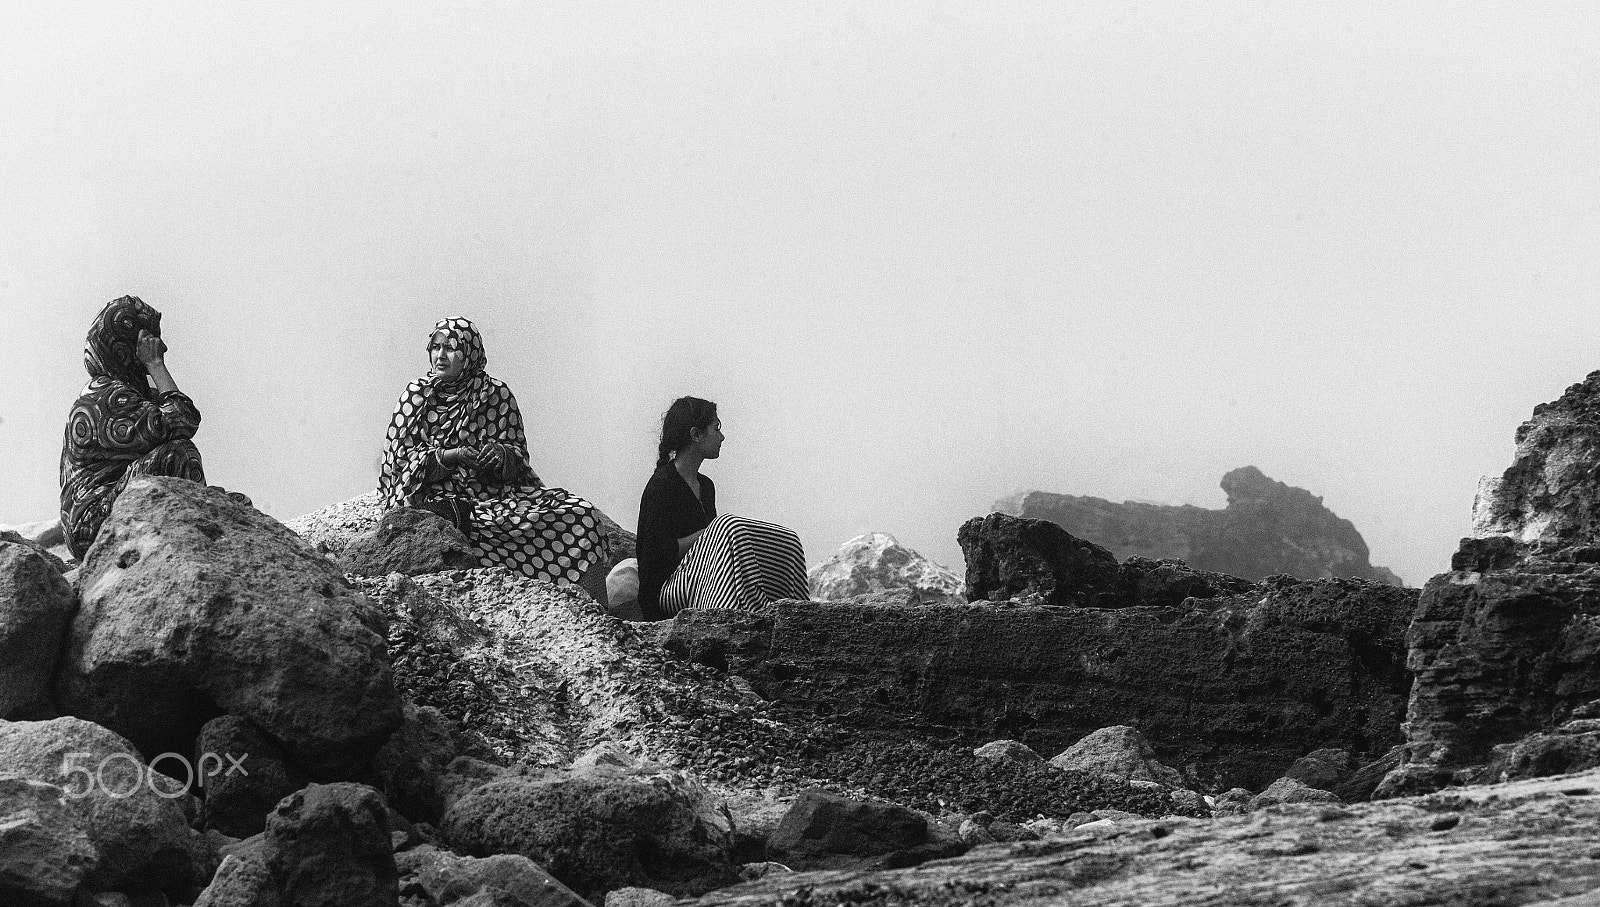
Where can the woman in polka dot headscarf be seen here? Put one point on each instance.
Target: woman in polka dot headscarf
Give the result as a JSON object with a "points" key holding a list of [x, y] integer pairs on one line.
{"points": [[456, 446]]}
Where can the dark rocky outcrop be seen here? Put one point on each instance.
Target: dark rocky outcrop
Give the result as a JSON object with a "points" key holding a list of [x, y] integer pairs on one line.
{"points": [[408, 541], [36, 606], [328, 845], [1507, 643], [194, 605], [243, 774], [430, 877], [1267, 528], [1234, 686]]}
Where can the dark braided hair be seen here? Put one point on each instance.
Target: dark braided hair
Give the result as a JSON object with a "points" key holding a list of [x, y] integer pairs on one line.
{"points": [[685, 414]]}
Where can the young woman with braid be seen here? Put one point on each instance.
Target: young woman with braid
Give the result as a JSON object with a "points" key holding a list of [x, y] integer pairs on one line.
{"points": [[689, 556], [456, 446]]}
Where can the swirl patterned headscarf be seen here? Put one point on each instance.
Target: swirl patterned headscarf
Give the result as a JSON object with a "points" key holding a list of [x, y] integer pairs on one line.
{"points": [[111, 350]]}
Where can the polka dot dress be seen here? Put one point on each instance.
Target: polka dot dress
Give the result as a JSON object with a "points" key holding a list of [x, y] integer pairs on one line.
{"points": [[517, 522]]}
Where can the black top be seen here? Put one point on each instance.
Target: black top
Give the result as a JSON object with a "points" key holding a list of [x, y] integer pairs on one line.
{"points": [[668, 511]]}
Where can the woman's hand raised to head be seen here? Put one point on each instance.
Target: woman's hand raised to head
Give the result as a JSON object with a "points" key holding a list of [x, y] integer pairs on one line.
{"points": [[150, 349]]}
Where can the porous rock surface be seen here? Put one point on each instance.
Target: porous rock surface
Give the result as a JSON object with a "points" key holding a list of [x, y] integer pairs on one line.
{"points": [[1267, 528], [1119, 752], [876, 562], [1548, 493], [36, 606], [1230, 689], [1526, 842], [194, 605]]}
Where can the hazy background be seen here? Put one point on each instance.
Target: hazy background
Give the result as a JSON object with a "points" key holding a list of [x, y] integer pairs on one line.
{"points": [[923, 256]]}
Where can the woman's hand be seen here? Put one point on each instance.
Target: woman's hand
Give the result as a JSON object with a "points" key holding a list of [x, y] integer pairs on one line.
{"points": [[459, 457], [149, 348]]}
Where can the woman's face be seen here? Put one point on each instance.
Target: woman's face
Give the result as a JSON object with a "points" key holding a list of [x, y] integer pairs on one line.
{"points": [[446, 356], [709, 440]]}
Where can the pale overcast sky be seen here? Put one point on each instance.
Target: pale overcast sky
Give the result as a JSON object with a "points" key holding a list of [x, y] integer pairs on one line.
{"points": [[923, 255]]}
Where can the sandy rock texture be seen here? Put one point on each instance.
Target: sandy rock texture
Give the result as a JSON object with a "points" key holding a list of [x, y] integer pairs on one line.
{"points": [[1526, 842], [1267, 528], [193, 605], [875, 562]]}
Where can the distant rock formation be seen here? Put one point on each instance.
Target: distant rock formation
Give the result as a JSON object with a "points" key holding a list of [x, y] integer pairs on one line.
{"points": [[1505, 645], [1267, 528], [875, 562]]}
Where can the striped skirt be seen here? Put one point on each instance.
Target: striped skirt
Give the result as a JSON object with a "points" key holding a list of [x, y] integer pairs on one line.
{"points": [[737, 563]]}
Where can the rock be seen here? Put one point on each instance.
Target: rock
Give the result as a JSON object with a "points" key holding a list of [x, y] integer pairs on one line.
{"points": [[1323, 769], [242, 880], [1528, 842], [611, 762], [1267, 528], [44, 855], [54, 560], [1189, 801], [1234, 801], [1012, 558], [140, 838], [328, 846], [194, 605], [826, 830], [638, 897], [595, 834], [1505, 644], [1009, 558], [1288, 790], [1238, 685], [1548, 494], [1118, 752], [36, 607], [875, 562], [434, 877], [408, 541], [413, 763], [1364, 781], [244, 776], [462, 776], [1572, 747], [1008, 751]]}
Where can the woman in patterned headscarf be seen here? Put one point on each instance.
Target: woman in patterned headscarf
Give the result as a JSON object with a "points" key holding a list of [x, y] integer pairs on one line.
{"points": [[121, 427], [456, 446]]}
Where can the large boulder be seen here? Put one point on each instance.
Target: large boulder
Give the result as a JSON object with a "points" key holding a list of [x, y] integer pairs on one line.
{"points": [[408, 541], [875, 562], [1267, 528], [596, 831], [1118, 752], [44, 855], [36, 606], [127, 810], [195, 605], [1230, 687]]}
